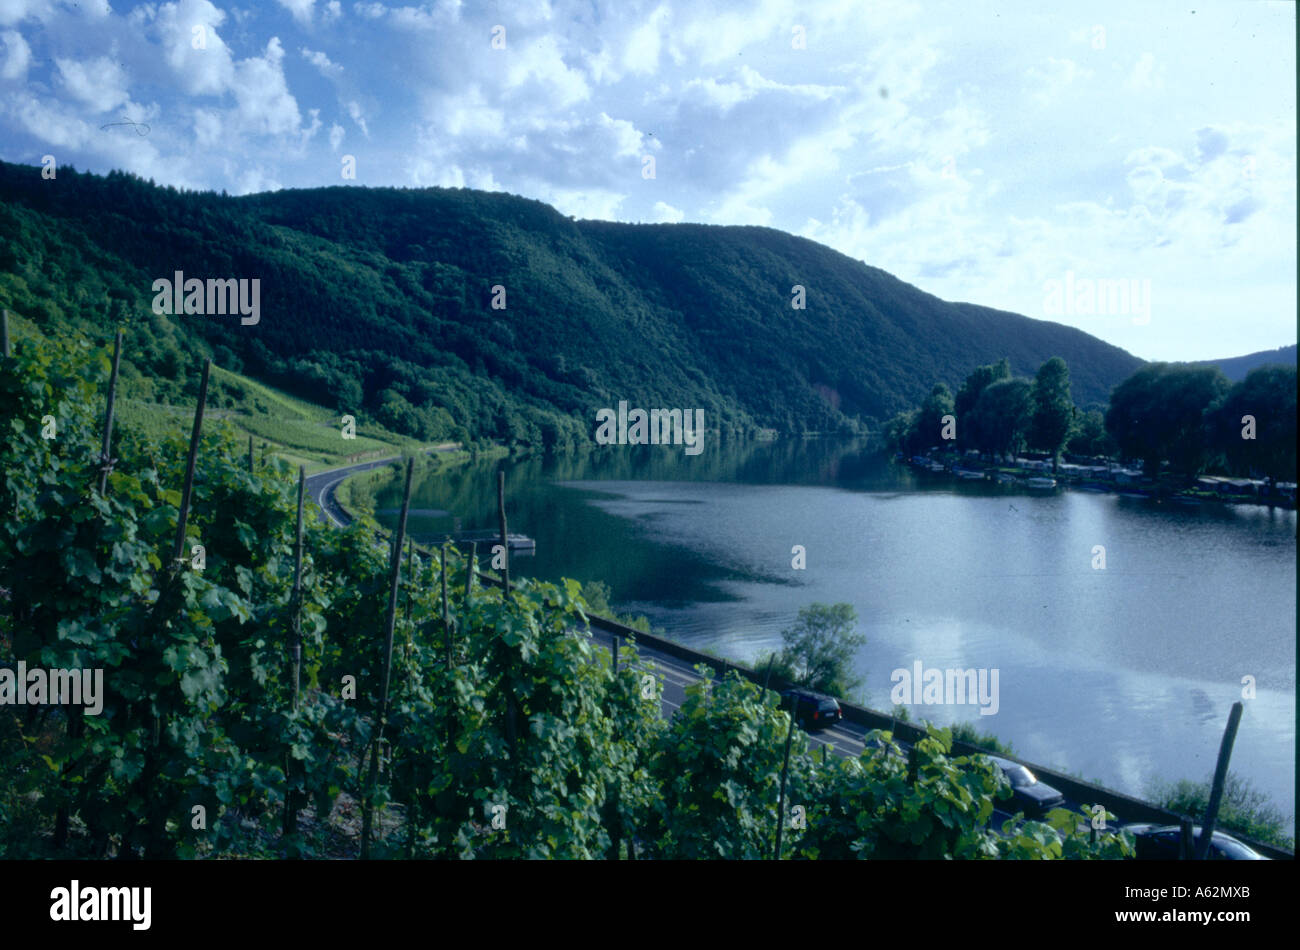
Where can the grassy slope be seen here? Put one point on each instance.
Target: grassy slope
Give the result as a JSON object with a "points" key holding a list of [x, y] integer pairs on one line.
{"points": [[283, 425]]}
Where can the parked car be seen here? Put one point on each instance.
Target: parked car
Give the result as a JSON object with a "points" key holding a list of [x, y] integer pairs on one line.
{"points": [[812, 711], [1034, 797], [1161, 843]]}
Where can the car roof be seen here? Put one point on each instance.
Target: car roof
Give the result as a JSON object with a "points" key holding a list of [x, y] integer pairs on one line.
{"points": [[801, 691], [1196, 833]]}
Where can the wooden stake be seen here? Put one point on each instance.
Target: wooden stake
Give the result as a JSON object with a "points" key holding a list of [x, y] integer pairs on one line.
{"points": [[295, 651], [406, 613], [250, 454], [1186, 847], [780, 801], [108, 417], [505, 547], [296, 645], [471, 564], [4, 332], [446, 615], [155, 829], [390, 618], [1220, 776], [195, 436]]}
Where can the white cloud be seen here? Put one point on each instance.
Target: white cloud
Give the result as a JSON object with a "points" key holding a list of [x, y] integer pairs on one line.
{"points": [[593, 203], [206, 71], [666, 213], [264, 103], [18, 55], [322, 62], [541, 63], [357, 116], [15, 11], [99, 83], [1052, 78], [207, 127], [301, 9], [641, 54], [1146, 74], [336, 137]]}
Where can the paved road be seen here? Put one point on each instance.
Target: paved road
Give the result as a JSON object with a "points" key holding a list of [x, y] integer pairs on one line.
{"points": [[320, 487]]}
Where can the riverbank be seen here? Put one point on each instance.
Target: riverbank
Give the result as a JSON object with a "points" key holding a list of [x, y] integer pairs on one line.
{"points": [[1037, 475]]}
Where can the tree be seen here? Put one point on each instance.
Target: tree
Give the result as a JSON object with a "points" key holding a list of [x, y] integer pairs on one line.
{"points": [[899, 431], [929, 421], [1268, 396], [1053, 409], [820, 647], [1159, 414], [979, 379], [1090, 436], [1001, 417]]}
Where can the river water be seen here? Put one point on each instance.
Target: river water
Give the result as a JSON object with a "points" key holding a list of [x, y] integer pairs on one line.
{"points": [[1123, 675]]}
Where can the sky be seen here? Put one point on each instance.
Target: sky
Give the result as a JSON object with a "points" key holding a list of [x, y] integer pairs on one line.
{"points": [[1031, 157]]}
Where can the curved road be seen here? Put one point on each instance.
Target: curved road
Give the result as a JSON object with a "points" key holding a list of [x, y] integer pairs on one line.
{"points": [[320, 487]]}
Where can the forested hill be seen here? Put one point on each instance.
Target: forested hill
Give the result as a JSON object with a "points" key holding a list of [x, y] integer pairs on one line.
{"points": [[378, 301], [1236, 367]]}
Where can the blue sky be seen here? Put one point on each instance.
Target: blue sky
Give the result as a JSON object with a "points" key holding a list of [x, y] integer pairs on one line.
{"points": [[979, 151]]}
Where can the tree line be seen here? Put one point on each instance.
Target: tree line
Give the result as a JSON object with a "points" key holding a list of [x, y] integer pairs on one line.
{"points": [[1189, 418]]}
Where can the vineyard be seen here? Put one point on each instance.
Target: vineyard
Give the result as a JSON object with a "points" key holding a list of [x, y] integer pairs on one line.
{"points": [[275, 687]]}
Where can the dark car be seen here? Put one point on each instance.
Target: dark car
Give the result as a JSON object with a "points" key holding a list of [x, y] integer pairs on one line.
{"points": [[1034, 797], [1161, 843], [811, 710]]}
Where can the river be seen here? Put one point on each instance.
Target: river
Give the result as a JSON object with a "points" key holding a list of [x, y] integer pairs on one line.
{"points": [[1122, 674]]}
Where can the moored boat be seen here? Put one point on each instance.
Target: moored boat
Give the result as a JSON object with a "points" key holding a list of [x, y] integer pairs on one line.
{"points": [[1039, 482]]}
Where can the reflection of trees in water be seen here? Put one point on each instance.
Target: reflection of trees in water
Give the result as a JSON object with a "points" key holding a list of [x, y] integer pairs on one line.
{"points": [[469, 490]]}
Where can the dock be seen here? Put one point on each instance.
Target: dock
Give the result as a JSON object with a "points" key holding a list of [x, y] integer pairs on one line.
{"points": [[516, 543]]}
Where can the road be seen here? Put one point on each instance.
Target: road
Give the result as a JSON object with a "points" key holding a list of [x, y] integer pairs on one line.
{"points": [[320, 487]]}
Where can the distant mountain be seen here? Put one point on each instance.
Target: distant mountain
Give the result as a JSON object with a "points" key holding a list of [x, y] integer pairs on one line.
{"points": [[1236, 367], [380, 301]]}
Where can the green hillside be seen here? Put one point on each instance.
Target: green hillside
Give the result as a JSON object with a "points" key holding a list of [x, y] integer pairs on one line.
{"points": [[281, 425], [377, 302]]}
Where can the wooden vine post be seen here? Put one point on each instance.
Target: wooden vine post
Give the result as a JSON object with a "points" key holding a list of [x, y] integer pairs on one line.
{"points": [[105, 459], [1220, 776], [505, 546], [785, 771], [390, 618], [295, 649], [156, 827]]}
